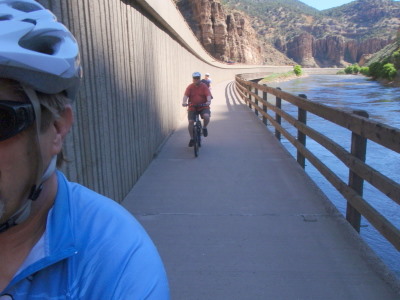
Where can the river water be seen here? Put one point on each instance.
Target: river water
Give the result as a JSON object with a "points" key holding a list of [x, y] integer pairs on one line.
{"points": [[351, 92]]}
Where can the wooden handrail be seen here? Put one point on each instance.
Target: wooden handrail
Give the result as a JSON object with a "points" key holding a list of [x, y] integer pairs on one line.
{"points": [[360, 126], [375, 178], [382, 134]]}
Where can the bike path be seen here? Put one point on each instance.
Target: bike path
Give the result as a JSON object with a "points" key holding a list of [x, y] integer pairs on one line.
{"points": [[244, 221]]}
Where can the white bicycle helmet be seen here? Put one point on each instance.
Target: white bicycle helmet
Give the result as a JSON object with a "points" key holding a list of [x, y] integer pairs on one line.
{"points": [[196, 74], [42, 55], [36, 50]]}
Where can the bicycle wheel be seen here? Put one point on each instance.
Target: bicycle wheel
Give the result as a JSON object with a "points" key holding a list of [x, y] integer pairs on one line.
{"points": [[199, 128], [196, 144]]}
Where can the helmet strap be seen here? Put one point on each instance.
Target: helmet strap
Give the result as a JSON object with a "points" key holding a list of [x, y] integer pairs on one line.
{"points": [[23, 213], [37, 187]]}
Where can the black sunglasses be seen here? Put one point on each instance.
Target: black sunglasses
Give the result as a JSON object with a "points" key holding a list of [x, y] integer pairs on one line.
{"points": [[15, 117]]}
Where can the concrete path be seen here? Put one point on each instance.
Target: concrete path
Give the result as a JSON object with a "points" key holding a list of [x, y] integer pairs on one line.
{"points": [[244, 221]]}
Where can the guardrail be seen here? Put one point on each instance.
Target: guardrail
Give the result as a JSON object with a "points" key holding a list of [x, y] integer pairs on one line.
{"points": [[362, 130]]}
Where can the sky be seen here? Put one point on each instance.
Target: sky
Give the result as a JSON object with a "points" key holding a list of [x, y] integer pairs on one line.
{"points": [[325, 4]]}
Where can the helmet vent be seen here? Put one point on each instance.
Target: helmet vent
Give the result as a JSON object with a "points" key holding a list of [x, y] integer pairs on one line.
{"points": [[5, 18], [44, 44], [25, 7], [30, 21]]}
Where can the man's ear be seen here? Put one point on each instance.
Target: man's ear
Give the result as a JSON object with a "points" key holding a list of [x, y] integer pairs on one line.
{"points": [[61, 127]]}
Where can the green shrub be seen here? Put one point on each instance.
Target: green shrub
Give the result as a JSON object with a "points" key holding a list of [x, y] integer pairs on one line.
{"points": [[364, 71], [353, 69], [297, 70], [385, 61], [396, 59], [389, 71], [356, 69], [375, 70], [349, 70]]}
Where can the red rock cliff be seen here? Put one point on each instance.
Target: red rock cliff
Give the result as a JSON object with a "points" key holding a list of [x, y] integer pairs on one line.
{"points": [[228, 36]]}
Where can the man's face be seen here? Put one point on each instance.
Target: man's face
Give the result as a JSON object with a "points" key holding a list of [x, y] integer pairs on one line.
{"points": [[18, 162], [196, 80]]}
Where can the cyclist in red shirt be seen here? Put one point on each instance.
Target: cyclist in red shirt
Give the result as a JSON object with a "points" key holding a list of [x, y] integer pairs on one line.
{"points": [[197, 93]]}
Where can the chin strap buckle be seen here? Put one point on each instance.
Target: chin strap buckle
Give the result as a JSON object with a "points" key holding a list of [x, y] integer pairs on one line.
{"points": [[10, 223], [35, 192]]}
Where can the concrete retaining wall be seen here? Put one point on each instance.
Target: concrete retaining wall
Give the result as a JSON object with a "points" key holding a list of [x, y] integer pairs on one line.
{"points": [[138, 57]]}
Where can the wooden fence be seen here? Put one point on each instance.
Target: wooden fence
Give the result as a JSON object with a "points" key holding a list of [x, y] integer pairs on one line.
{"points": [[362, 130]]}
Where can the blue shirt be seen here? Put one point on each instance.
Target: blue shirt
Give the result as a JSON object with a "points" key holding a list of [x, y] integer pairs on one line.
{"points": [[92, 249]]}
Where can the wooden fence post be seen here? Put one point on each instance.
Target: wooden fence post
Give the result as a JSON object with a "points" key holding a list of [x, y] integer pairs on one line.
{"points": [[249, 88], [265, 109], [256, 101], [301, 137], [358, 149], [278, 104]]}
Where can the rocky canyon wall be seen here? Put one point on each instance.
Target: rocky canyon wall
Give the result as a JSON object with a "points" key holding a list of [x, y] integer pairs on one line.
{"points": [[290, 38], [228, 35], [331, 51]]}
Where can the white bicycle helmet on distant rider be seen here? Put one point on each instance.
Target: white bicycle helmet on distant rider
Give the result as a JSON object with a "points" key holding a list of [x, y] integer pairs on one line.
{"points": [[196, 75], [42, 55]]}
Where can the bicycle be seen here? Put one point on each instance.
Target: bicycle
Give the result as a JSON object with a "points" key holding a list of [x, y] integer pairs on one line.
{"points": [[197, 130]]}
